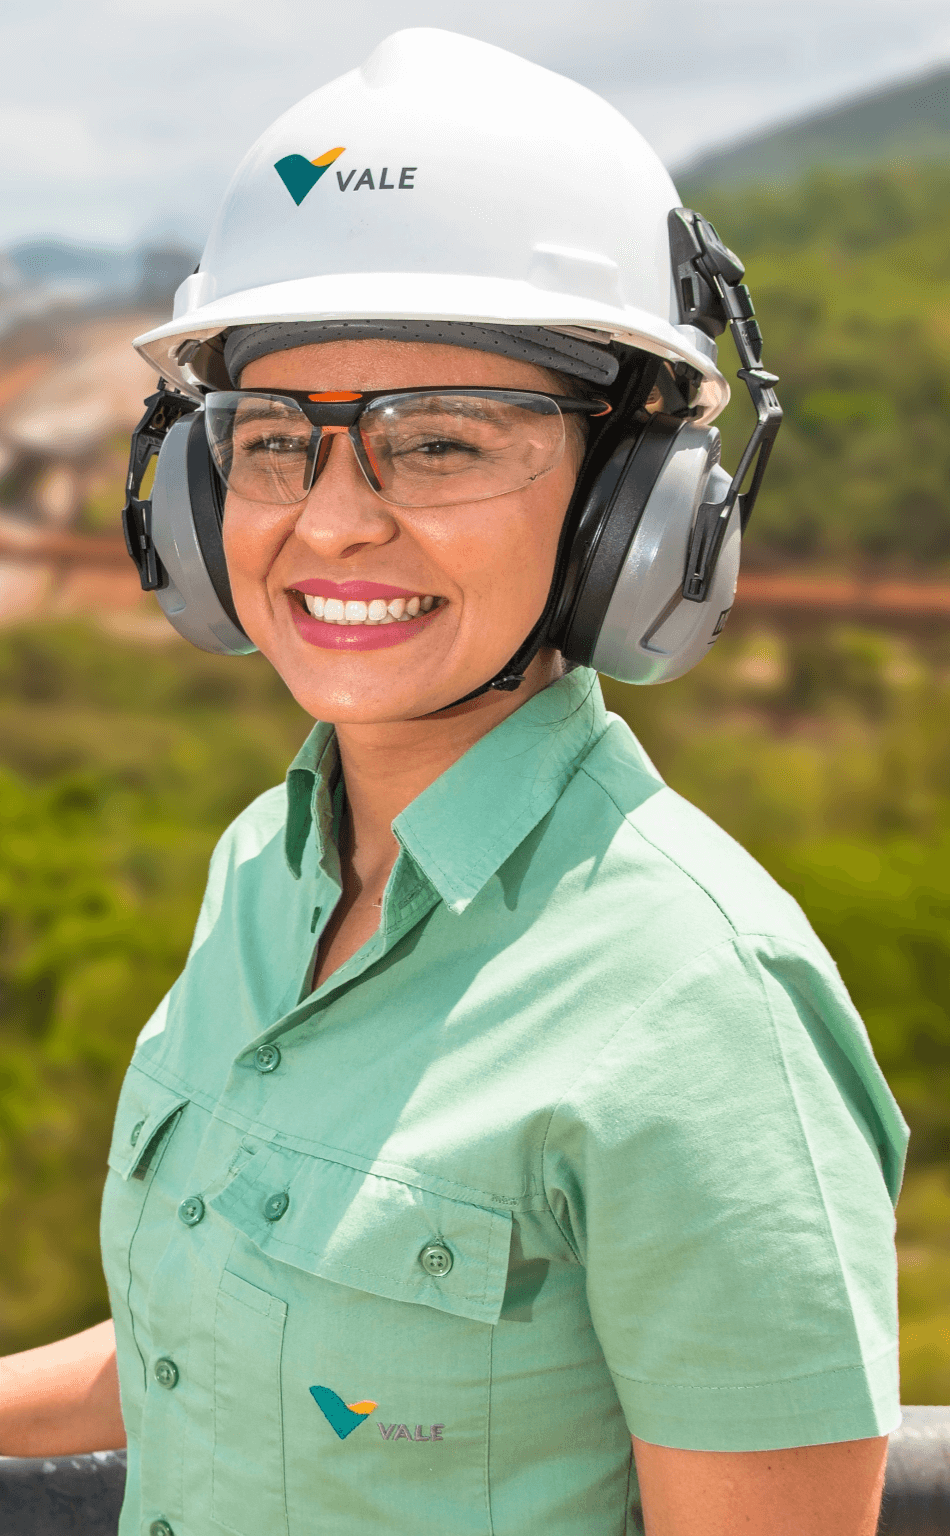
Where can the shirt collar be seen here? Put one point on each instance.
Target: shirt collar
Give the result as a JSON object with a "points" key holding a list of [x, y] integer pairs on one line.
{"points": [[310, 780], [462, 828]]}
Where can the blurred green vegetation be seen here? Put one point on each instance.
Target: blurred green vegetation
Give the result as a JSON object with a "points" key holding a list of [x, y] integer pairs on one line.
{"points": [[826, 754], [851, 280], [119, 767]]}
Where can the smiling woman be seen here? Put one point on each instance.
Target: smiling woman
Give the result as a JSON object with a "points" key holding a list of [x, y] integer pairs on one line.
{"points": [[464, 573], [504, 1106]]}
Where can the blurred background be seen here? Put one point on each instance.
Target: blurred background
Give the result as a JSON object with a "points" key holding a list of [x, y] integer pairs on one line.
{"points": [[818, 140]]}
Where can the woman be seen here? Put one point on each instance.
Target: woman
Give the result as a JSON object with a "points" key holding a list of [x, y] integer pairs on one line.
{"points": [[508, 1154]]}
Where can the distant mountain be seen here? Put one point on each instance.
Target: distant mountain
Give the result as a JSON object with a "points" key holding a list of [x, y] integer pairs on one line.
{"points": [[909, 123], [97, 274]]}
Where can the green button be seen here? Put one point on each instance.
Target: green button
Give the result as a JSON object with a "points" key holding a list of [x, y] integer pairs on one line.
{"points": [[436, 1259], [136, 1132], [166, 1373], [267, 1058], [191, 1210], [160, 1528], [276, 1205]]}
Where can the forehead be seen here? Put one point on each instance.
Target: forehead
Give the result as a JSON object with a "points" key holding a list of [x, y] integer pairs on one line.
{"points": [[366, 365]]}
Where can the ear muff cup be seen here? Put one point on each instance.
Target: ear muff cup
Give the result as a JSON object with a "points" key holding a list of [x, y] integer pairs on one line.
{"points": [[625, 613], [187, 515]]}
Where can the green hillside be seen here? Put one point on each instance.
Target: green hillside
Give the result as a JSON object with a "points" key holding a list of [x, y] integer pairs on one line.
{"points": [[904, 124], [851, 279]]}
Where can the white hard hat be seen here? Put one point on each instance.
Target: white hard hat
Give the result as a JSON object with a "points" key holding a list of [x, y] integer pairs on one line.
{"points": [[444, 179]]}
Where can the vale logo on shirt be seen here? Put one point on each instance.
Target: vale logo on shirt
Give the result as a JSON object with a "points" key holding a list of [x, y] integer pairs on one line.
{"points": [[343, 1418]]}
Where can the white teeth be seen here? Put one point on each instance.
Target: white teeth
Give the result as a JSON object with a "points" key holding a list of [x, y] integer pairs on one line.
{"points": [[398, 611]]}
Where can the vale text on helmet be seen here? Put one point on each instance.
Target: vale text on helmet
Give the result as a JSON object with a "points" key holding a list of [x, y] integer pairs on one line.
{"points": [[301, 175]]}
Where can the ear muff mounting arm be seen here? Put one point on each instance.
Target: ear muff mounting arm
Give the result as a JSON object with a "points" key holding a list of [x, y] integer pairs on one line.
{"points": [[162, 410], [711, 296]]}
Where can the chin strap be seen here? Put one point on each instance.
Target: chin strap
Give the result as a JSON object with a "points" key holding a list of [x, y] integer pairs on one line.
{"points": [[512, 674]]}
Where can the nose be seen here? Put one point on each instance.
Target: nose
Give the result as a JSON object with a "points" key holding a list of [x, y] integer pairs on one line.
{"points": [[342, 513]]}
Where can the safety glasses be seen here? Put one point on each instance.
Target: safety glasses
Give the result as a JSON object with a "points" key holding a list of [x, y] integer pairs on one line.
{"points": [[416, 447]]}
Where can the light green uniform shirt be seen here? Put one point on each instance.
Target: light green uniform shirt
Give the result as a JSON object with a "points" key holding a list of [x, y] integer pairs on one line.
{"points": [[586, 1139]]}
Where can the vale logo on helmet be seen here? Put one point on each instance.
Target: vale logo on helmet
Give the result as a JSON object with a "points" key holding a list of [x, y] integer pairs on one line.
{"points": [[301, 175]]}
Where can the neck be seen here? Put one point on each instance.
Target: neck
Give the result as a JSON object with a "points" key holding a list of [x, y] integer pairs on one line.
{"points": [[385, 767]]}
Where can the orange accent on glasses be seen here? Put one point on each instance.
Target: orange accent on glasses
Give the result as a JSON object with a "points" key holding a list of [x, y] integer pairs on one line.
{"points": [[336, 394], [326, 431]]}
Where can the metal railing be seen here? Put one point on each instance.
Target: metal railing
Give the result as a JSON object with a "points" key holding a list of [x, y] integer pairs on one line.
{"points": [[82, 1495]]}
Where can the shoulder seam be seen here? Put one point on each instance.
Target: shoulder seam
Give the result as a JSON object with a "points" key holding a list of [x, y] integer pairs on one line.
{"points": [[733, 944], [663, 852]]}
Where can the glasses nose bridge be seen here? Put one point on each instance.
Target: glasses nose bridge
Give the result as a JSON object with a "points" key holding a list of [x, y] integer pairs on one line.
{"points": [[322, 441], [321, 455]]}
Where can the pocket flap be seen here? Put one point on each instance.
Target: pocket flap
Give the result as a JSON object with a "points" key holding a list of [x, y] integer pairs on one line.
{"points": [[144, 1110], [372, 1233]]}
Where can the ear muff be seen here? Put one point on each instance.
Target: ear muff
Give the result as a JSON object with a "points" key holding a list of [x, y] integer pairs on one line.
{"points": [[187, 508], [623, 610]]}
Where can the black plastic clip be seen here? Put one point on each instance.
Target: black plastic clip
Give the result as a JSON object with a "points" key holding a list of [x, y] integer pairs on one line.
{"points": [[162, 410], [712, 296]]}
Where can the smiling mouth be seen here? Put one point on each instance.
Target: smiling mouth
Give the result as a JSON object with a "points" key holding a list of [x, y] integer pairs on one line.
{"points": [[398, 610]]}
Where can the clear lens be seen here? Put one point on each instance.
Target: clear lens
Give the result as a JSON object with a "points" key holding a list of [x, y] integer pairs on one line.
{"points": [[433, 450], [415, 450], [263, 448]]}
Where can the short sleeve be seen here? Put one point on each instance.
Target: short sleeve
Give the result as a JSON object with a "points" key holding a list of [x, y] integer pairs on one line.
{"points": [[725, 1169]]}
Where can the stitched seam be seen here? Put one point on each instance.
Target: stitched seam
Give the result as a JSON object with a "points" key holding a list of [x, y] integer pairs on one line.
{"points": [[411, 1178], [214, 1389], [605, 1046], [488, 1426], [131, 1243], [403, 1286], [536, 807], [663, 852], [756, 1386], [454, 879], [781, 1062]]}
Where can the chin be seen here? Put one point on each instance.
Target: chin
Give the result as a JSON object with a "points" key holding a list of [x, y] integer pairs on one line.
{"points": [[352, 695], [376, 686]]}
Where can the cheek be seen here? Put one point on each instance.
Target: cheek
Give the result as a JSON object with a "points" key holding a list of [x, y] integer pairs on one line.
{"points": [[251, 539], [505, 555]]}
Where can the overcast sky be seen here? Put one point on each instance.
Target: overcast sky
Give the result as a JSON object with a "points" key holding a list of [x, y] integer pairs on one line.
{"points": [[121, 119]]}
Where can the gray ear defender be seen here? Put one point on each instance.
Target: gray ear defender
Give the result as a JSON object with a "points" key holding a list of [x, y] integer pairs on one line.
{"points": [[650, 571], [175, 536], [650, 632]]}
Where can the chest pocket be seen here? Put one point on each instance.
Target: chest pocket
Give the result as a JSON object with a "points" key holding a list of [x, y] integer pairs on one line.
{"points": [[143, 1119], [422, 1369], [373, 1233]]}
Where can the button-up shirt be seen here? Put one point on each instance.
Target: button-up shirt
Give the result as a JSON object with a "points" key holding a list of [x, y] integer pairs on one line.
{"points": [[586, 1140]]}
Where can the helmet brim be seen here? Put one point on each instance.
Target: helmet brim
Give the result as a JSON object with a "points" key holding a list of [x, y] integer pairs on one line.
{"points": [[401, 295]]}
